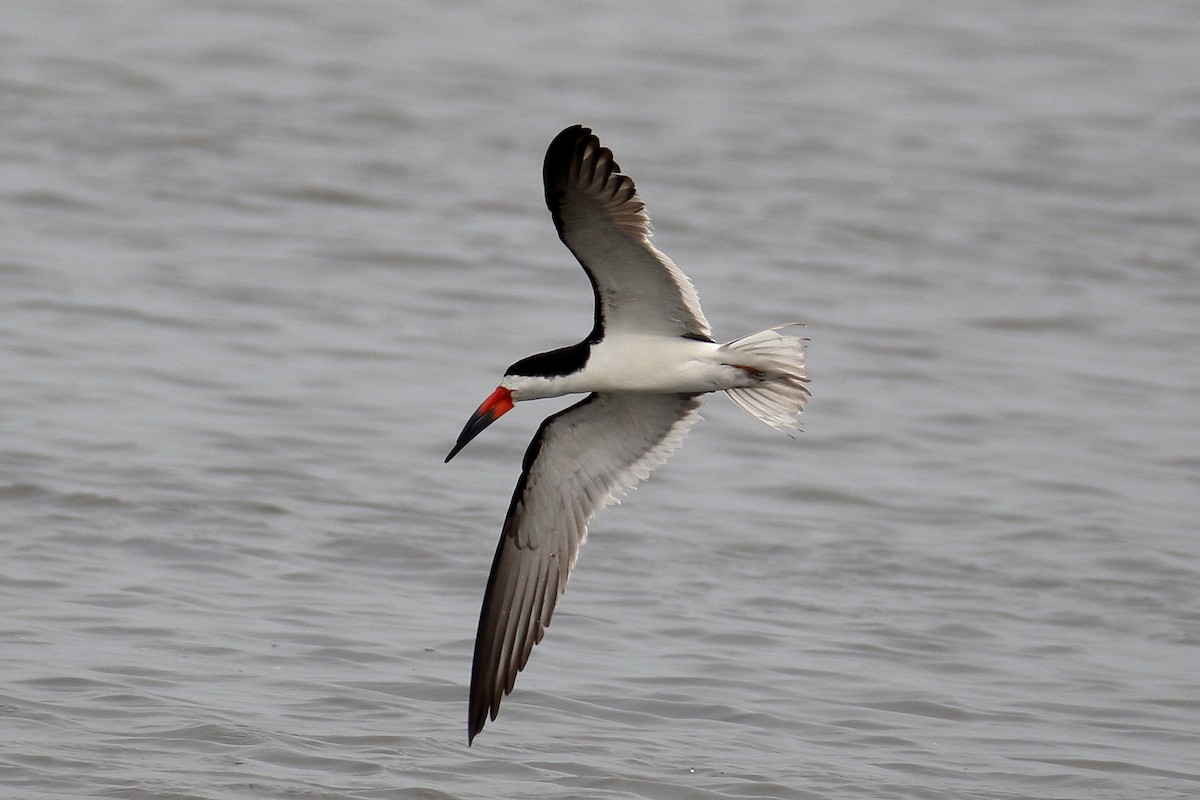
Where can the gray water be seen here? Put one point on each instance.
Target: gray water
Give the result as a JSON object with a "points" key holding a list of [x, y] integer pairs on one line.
{"points": [[260, 260]]}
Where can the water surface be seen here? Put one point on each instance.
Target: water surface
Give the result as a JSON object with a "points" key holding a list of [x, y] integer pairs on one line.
{"points": [[260, 260]]}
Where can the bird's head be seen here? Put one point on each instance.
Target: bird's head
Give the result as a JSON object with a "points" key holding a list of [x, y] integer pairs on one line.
{"points": [[528, 379]]}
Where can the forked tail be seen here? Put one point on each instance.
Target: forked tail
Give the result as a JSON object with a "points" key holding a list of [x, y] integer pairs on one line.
{"points": [[780, 390]]}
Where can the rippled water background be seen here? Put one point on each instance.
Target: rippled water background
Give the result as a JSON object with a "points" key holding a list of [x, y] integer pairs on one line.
{"points": [[259, 261]]}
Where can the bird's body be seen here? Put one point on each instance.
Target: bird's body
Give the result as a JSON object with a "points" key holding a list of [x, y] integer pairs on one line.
{"points": [[645, 367], [639, 362]]}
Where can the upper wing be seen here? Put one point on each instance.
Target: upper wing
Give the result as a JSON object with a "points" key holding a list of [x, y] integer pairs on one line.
{"points": [[581, 459], [602, 220]]}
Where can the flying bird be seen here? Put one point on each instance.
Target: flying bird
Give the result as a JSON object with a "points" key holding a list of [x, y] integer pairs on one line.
{"points": [[646, 366]]}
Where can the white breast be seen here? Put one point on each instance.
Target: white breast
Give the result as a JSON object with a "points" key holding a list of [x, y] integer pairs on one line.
{"points": [[644, 363]]}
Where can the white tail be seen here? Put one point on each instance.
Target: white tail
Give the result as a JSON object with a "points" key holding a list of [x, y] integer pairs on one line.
{"points": [[779, 395]]}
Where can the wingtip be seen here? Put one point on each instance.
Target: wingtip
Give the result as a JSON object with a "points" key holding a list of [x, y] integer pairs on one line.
{"points": [[565, 141], [560, 154], [474, 726], [477, 711], [573, 131]]}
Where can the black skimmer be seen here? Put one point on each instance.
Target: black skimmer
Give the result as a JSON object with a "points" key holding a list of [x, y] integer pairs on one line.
{"points": [[645, 367]]}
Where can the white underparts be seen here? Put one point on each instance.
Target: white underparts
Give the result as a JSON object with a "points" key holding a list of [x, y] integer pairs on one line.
{"points": [[763, 373]]}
